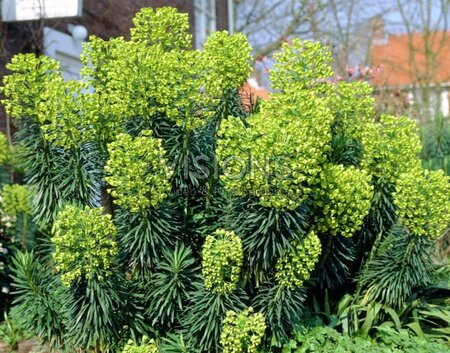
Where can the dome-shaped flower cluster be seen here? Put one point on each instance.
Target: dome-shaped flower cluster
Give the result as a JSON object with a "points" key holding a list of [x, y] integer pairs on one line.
{"points": [[222, 258], [242, 332], [85, 244], [226, 59], [353, 107], [391, 148], [343, 199], [276, 155], [164, 26], [302, 65], [138, 171], [423, 202], [15, 200], [295, 267]]}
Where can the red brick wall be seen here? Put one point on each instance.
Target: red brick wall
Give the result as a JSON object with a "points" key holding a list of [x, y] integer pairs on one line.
{"points": [[103, 18], [112, 18]]}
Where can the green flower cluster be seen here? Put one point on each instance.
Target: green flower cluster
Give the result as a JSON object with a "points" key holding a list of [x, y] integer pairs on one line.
{"points": [[142, 80], [295, 267], [164, 26], [423, 202], [242, 332], [155, 74], [222, 258], [353, 107], [343, 199], [107, 108], [151, 75], [4, 148], [37, 91], [226, 60], [15, 200], [31, 89], [147, 346], [391, 148], [138, 171], [302, 65], [276, 156], [85, 244]]}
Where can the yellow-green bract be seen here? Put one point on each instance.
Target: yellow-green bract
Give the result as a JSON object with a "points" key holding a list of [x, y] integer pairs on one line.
{"points": [[155, 73], [302, 65], [277, 156], [37, 91], [226, 59], [353, 107], [85, 244], [242, 332], [165, 27], [15, 200], [4, 148], [391, 148], [222, 258], [343, 199], [138, 171], [423, 202], [147, 346], [295, 267]]}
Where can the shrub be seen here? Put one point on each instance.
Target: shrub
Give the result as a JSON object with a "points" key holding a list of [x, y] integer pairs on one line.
{"points": [[167, 210]]}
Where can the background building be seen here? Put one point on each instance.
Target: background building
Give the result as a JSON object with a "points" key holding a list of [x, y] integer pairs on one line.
{"points": [[415, 66]]}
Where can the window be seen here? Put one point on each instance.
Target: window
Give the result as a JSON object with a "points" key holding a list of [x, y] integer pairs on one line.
{"points": [[25, 10], [205, 20]]}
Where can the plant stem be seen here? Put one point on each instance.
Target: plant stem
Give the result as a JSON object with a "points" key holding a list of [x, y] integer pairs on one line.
{"points": [[24, 232]]}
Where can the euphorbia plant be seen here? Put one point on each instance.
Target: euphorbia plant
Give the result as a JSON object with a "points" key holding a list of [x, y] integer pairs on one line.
{"points": [[150, 238]]}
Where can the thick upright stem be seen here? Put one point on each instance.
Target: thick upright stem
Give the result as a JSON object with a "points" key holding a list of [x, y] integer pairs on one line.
{"points": [[24, 232]]}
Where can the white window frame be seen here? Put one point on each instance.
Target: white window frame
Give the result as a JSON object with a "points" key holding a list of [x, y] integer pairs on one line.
{"points": [[205, 20], [28, 10], [66, 49]]}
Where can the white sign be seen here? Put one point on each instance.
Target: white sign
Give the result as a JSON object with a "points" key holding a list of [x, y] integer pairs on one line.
{"points": [[66, 49], [27, 10]]}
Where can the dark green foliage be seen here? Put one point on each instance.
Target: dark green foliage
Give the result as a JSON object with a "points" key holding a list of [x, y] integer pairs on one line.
{"points": [[58, 175], [428, 311], [335, 267], [204, 318], [402, 263], [345, 150], [103, 313], [378, 222], [327, 340], [41, 299], [211, 216], [176, 344], [176, 275], [143, 236], [189, 151], [266, 233], [4, 175], [282, 308]]}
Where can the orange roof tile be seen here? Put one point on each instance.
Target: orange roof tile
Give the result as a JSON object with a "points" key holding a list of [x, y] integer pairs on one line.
{"points": [[403, 61]]}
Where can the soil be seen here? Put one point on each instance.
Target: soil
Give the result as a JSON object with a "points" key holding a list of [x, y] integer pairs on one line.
{"points": [[24, 347]]}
